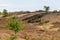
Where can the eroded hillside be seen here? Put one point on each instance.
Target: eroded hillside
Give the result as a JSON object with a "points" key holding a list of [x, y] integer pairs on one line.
{"points": [[36, 26]]}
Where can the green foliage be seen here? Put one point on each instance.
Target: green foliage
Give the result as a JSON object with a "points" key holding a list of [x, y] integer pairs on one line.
{"points": [[46, 8], [5, 13], [14, 24]]}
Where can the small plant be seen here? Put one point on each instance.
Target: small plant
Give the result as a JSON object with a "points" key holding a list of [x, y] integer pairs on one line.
{"points": [[5, 13], [15, 25]]}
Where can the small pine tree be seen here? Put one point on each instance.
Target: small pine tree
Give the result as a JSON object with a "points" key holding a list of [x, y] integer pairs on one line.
{"points": [[5, 13]]}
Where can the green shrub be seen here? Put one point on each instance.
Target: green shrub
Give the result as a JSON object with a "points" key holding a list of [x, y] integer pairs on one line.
{"points": [[5, 13], [15, 25]]}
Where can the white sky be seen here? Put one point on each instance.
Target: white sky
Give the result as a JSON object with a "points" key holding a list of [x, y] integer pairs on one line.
{"points": [[28, 5]]}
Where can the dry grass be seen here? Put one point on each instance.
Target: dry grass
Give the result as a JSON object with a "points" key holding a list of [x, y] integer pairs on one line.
{"points": [[32, 31]]}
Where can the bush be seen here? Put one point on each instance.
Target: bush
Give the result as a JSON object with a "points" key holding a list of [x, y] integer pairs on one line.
{"points": [[14, 24], [5, 13]]}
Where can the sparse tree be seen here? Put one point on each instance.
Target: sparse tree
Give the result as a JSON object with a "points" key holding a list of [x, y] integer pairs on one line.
{"points": [[5, 13], [46, 8]]}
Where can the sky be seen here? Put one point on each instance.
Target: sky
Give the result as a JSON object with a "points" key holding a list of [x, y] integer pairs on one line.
{"points": [[28, 5]]}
